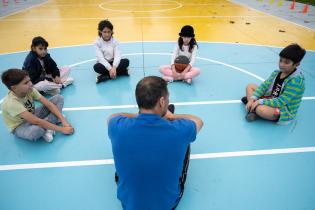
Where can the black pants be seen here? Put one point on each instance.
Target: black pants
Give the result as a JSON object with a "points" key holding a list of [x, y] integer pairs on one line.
{"points": [[120, 70], [182, 179]]}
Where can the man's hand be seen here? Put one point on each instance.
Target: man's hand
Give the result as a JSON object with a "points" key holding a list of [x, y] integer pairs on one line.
{"points": [[169, 115]]}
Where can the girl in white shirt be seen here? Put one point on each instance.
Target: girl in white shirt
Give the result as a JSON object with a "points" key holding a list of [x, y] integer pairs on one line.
{"points": [[109, 62], [186, 46]]}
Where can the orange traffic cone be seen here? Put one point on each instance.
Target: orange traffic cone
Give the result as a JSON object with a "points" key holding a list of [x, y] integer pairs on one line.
{"points": [[293, 5], [305, 9]]}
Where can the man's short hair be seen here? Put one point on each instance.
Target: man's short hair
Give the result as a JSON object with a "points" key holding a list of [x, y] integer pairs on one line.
{"points": [[294, 52], [13, 77], [149, 90]]}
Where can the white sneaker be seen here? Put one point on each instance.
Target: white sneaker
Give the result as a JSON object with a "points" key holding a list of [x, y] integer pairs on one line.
{"points": [[49, 136], [168, 79], [68, 81], [188, 81]]}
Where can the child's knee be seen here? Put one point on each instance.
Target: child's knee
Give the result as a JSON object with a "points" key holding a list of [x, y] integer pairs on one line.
{"points": [[251, 87], [259, 110], [33, 133], [58, 100], [98, 66], [197, 71], [125, 62], [164, 69], [37, 134]]}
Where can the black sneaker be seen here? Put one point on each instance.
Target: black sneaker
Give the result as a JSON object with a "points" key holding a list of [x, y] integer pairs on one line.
{"points": [[171, 108], [244, 100], [101, 78], [251, 116], [124, 73]]}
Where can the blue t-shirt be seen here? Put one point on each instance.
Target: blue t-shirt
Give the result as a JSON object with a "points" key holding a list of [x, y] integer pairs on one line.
{"points": [[149, 153]]}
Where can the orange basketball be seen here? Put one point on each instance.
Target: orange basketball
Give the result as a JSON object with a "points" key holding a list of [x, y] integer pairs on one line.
{"points": [[180, 67]]}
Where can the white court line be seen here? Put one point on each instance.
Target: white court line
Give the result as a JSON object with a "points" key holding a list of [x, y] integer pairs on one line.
{"points": [[206, 59], [128, 42], [201, 58], [179, 5], [132, 4], [138, 17], [130, 106], [82, 62], [169, 54], [99, 107], [192, 156], [309, 98]]}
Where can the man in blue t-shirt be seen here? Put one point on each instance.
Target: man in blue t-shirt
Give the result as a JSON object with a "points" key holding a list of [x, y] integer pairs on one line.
{"points": [[151, 149]]}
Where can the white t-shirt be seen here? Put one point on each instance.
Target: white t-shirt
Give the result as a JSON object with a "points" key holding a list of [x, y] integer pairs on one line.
{"points": [[107, 52]]}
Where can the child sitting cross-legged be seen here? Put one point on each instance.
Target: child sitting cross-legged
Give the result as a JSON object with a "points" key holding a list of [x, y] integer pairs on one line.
{"points": [[20, 115], [278, 98]]}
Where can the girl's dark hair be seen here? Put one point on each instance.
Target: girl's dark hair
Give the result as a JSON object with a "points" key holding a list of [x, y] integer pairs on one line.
{"points": [[13, 77], [39, 41], [192, 43], [104, 24]]}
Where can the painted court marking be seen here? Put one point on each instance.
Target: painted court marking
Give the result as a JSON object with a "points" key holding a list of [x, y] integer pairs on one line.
{"points": [[178, 5], [169, 54], [139, 17], [128, 42], [193, 156], [179, 103], [130, 106]]}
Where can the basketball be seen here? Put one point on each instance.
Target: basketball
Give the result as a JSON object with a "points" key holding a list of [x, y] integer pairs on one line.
{"points": [[181, 62], [180, 67]]}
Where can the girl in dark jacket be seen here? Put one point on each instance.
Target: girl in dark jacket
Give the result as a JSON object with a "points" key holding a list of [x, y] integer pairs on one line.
{"points": [[43, 70]]}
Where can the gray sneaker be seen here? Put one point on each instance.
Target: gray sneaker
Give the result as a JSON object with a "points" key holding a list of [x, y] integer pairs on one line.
{"points": [[251, 116]]}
